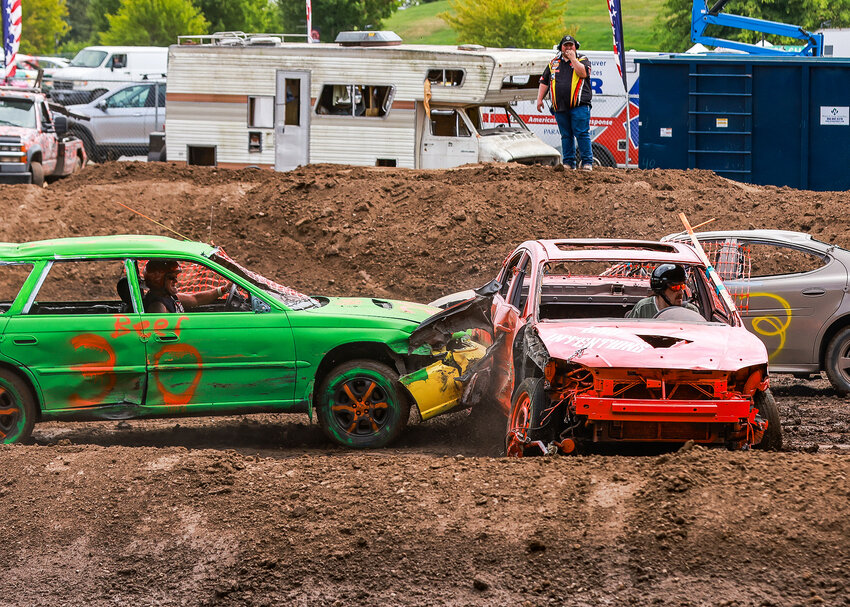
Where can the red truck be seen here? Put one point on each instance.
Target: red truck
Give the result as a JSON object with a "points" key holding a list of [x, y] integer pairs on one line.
{"points": [[34, 144]]}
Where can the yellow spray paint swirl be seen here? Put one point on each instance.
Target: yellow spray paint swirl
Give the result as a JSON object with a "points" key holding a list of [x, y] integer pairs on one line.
{"points": [[771, 326]]}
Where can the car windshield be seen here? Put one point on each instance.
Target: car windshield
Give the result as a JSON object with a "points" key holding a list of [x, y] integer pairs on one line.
{"points": [[88, 58], [289, 297], [596, 289], [495, 120], [17, 112]]}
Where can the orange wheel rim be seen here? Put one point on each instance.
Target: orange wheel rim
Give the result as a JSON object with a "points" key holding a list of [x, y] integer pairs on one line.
{"points": [[520, 423]]}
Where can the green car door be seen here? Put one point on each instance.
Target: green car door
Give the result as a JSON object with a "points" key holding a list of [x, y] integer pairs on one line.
{"points": [[236, 353], [66, 336]]}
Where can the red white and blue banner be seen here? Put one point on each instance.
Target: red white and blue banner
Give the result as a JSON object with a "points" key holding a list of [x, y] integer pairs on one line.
{"points": [[617, 31], [11, 10]]}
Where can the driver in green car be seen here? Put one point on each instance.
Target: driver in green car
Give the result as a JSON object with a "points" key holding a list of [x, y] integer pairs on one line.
{"points": [[668, 285], [161, 277]]}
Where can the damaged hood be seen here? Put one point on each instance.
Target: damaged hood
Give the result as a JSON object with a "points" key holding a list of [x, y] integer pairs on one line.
{"points": [[653, 344], [514, 146]]}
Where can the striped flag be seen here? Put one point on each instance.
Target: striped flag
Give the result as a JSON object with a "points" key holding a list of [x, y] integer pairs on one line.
{"points": [[617, 31], [11, 34]]}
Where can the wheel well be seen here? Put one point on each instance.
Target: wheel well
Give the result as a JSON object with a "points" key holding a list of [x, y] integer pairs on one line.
{"points": [[353, 351], [832, 331], [603, 155], [28, 382], [36, 157]]}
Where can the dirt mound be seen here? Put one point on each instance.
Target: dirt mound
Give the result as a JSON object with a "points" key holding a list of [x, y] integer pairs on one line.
{"points": [[397, 232], [262, 510]]}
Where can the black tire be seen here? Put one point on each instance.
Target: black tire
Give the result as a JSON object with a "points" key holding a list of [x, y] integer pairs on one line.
{"points": [[766, 406], [37, 173], [17, 408], [601, 156], [88, 143], [374, 417], [78, 165], [526, 417], [837, 361]]}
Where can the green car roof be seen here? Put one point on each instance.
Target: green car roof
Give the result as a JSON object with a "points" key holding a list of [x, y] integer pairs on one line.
{"points": [[134, 245]]}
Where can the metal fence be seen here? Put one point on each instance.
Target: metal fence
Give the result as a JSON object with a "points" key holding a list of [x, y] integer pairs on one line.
{"points": [[609, 120], [113, 119]]}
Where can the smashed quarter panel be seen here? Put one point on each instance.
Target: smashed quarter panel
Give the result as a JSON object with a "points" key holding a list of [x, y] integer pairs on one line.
{"points": [[438, 387]]}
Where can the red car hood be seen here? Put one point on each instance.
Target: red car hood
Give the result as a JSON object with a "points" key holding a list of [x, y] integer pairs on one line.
{"points": [[653, 344]]}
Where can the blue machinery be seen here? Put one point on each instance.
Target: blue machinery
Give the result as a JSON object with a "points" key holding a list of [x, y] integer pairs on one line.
{"points": [[702, 17]]}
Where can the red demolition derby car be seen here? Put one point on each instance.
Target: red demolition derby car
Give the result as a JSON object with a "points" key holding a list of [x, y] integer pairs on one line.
{"points": [[569, 368]]}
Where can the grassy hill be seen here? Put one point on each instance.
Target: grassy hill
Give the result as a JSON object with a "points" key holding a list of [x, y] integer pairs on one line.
{"points": [[421, 25]]}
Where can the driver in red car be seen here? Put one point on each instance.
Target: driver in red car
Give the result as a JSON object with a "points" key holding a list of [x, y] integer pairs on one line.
{"points": [[161, 277], [668, 285]]}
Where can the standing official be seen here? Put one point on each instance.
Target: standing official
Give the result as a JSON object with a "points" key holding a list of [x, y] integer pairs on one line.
{"points": [[567, 79]]}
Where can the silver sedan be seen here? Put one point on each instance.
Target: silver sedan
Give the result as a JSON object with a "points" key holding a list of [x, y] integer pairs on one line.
{"points": [[792, 291]]}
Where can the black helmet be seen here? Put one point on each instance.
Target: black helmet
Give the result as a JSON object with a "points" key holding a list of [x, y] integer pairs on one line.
{"points": [[665, 275], [566, 39]]}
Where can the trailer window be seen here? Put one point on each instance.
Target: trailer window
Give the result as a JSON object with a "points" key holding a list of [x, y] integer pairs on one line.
{"points": [[261, 112], [441, 77], [448, 123], [371, 101], [521, 81]]}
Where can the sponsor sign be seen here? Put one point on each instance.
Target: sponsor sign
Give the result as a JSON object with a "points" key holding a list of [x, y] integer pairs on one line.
{"points": [[831, 115], [666, 132]]}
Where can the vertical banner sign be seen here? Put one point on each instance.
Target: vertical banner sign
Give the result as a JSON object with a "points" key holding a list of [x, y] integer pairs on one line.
{"points": [[11, 34], [309, 21], [620, 53]]}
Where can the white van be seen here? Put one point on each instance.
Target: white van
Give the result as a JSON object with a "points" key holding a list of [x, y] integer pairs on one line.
{"points": [[97, 69]]}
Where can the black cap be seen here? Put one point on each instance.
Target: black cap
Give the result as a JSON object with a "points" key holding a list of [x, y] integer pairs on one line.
{"points": [[566, 39]]}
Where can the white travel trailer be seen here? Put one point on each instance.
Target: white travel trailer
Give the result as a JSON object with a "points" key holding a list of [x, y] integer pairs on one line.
{"points": [[237, 100]]}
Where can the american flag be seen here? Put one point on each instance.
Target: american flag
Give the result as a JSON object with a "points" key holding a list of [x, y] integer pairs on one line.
{"points": [[11, 34], [617, 31]]}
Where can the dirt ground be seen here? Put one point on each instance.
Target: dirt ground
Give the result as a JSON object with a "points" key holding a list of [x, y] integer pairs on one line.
{"points": [[263, 510]]}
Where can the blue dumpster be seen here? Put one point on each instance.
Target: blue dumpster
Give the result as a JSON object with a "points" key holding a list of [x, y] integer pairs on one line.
{"points": [[763, 120]]}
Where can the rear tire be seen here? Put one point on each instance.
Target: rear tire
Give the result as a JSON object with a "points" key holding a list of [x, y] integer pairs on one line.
{"points": [[361, 405], [17, 409], [766, 406], [37, 173], [837, 361], [88, 144]]}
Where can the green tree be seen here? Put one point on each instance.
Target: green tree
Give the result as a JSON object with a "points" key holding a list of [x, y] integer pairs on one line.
{"points": [[672, 27], [43, 23], [331, 17], [519, 23], [153, 22], [79, 20], [240, 15], [98, 12]]}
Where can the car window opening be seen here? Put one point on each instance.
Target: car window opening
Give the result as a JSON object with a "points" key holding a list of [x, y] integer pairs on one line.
{"points": [[605, 289]]}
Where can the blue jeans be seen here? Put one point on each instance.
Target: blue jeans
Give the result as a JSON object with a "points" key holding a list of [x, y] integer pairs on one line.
{"points": [[574, 124]]}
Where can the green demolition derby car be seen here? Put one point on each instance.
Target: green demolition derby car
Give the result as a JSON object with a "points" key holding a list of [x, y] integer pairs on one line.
{"points": [[77, 344]]}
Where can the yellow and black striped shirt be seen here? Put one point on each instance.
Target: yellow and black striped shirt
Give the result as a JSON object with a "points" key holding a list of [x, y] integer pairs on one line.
{"points": [[565, 87]]}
